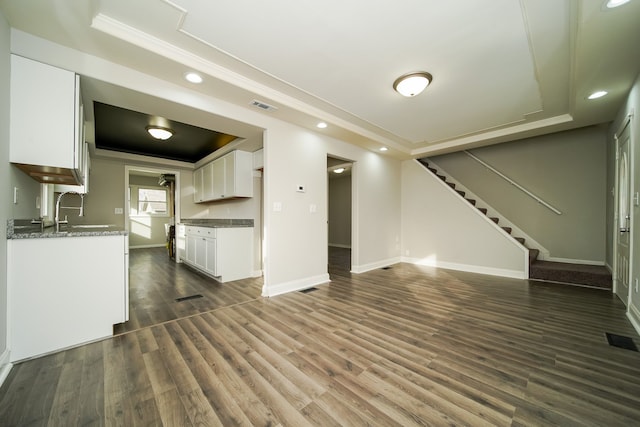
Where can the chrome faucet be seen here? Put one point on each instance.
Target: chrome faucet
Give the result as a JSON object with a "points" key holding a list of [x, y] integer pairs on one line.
{"points": [[65, 220]]}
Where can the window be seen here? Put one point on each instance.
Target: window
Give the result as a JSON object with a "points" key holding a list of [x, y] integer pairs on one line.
{"points": [[149, 201]]}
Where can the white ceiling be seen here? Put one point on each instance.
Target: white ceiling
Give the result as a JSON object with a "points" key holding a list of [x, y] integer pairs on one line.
{"points": [[503, 69]]}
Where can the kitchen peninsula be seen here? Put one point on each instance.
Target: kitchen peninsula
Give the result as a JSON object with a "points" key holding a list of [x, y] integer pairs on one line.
{"points": [[65, 287]]}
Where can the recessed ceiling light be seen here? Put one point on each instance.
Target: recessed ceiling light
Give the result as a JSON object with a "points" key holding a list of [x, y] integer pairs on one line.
{"points": [[598, 94], [383, 149], [412, 84], [615, 3], [339, 170], [193, 77], [321, 125], [159, 132]]}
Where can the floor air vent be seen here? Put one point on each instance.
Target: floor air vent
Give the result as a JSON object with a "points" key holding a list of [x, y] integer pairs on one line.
{"points": [[188, 298], [306, 291], [621, 341], [385, 268]]}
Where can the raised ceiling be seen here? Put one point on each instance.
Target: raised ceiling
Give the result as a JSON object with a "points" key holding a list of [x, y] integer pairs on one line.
{"points": [[503, 69]]}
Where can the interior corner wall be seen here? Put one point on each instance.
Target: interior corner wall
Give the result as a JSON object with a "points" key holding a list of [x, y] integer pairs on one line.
{"points": [[5, 189], [441, 229], [340, 211], [106, 193], [565, 169], [632, 106]]}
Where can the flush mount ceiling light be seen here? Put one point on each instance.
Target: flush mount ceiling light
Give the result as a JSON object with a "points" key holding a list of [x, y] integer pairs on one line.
{"points": [[159, 132], [598, 94], [321, 125], [615, 3], [412, 84], [193, 77], [383, 149], [339, 170]]}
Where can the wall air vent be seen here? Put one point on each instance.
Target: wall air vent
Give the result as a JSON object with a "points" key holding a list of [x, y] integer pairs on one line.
{"points": [[263, 106]]}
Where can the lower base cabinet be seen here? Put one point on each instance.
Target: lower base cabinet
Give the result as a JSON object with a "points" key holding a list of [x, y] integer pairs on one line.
{"points": [[65, 291], [224, 253]]}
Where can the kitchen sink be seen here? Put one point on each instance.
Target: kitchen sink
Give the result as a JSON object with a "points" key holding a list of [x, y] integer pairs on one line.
{"points": [[92, 226]]}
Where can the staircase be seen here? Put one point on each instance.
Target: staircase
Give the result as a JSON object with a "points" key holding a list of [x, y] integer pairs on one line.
{"points": [[573, 274]]}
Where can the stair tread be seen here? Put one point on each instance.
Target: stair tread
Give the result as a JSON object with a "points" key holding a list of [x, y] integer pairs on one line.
{"points": [[472, 201], [507, 229], [579, 274]]}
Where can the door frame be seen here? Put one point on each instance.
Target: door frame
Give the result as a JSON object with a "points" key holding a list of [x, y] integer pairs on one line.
{"points": [[154, 169], [354, 205], [616, 215]]}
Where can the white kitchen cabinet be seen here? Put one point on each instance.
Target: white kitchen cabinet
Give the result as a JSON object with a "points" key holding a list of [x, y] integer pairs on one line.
{"points": [[65, 291], [46, 122], [198, 185], [229, 176], [225, 253]]}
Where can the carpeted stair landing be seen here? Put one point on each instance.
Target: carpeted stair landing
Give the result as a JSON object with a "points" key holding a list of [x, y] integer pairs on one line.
{"points": [[560, 272], [595, 276]]}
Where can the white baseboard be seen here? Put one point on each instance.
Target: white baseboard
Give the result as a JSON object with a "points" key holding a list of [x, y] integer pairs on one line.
{"points": [[513, 274], [163, 245], [633, 314], [575, 261], [5, 366], [338, 245], [294, 285], [374, 265], [256, 273]]}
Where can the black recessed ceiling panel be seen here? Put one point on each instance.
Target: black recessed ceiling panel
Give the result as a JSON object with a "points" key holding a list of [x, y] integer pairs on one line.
{"points": [[119, 129]]}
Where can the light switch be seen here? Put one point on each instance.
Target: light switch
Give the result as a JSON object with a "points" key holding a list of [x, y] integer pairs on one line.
{"points": [[118, 211], [277, 206], [313, 208]]}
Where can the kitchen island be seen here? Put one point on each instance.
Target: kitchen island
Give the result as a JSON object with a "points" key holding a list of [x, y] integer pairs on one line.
{"points": [[66, 287]]}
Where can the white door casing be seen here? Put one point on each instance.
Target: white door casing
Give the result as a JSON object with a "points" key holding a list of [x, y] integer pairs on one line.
{"points": [[623, 216]]}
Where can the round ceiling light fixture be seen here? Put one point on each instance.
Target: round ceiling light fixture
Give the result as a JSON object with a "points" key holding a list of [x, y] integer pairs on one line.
{"points": [[598, 94], [193, 77], [159, 132], [412, 84], [615, 3]]}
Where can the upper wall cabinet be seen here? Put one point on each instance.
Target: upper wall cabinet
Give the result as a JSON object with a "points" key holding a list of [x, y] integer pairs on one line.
{"points": [[227, 177], [46, 126]]}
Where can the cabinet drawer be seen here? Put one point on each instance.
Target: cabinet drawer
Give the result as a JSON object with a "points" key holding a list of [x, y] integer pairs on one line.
{"points": [[200, 231]]}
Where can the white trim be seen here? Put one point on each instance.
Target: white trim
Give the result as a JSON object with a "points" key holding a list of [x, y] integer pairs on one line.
{"points": [[256, 273], [513, 274], [5, 365], [634, 317], [163, 245], [575, 261], [374, 265], [295, 285]]}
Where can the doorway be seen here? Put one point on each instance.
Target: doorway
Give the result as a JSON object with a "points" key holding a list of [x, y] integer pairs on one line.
{"points": [[151, 207], [623, 248], [339, 213]]}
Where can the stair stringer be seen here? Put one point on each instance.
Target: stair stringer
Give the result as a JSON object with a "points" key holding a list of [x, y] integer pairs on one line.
{"points": [[436, 250], [530, 242]]}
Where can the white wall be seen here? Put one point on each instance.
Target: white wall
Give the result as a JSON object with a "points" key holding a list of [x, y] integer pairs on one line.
{"points": [[441, 229], [28, 192], [567, 170], [5, 189], [632, 106]]}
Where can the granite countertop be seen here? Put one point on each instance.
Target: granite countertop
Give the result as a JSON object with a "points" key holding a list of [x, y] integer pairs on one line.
{"points": [[23, 229], [217, 223]]}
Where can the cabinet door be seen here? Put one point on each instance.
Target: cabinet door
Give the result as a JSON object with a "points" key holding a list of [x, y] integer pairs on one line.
{"points": [[219, 190], [201, 253], [239, 174], [211, 257], [207, 182], [48, 94], [191, 248], [197, 185]]}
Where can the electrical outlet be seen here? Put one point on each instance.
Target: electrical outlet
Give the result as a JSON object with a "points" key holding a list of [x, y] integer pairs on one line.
{"points": [[118, 211]]}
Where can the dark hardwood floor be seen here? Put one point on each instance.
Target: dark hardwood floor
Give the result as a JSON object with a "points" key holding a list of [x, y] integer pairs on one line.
{"points": [[156, 283], [405, 346]]}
